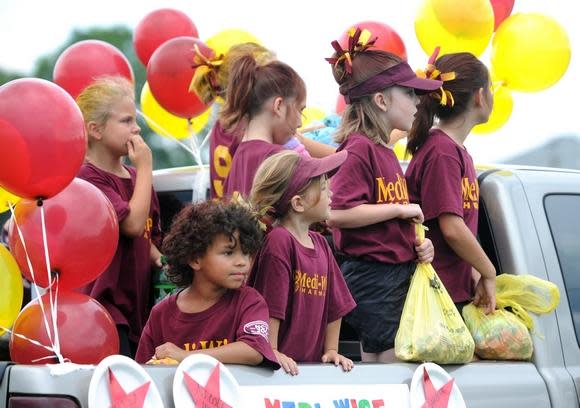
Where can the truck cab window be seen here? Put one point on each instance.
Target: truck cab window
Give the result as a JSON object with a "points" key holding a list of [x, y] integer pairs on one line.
{"points": [[562, 213]]}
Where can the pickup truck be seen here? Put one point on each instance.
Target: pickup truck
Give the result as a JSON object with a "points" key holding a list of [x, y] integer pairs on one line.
{"points": [[529, 224]]}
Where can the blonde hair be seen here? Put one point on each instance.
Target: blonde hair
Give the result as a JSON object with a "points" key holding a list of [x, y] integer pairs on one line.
{"points": [[362, 115], [203, 80], [272, 179], [96, 100]]}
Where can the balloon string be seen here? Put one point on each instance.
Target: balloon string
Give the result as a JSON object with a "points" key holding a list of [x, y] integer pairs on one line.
{"points": [[52, 301], [171, 137], [35, 342], [194, 144], [31, 269]]}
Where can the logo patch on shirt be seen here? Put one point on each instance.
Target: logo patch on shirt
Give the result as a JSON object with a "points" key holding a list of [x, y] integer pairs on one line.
{"points": [[257, 327]]}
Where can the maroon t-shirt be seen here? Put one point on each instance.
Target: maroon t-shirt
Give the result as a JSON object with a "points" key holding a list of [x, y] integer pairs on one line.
{"points": [[304, 289], [222, 146], [123, 289], [240, 315], [442, 179], [372, 174], [249, 155]]}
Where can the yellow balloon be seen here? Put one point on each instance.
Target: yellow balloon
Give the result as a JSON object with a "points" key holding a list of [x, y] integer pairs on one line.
{"points": [[224, 40], [503, 105], [5, 198], [469, 18], [163, 122], [530, 52], [311, 114], [400, 150], [11, 290], [431, 34]]}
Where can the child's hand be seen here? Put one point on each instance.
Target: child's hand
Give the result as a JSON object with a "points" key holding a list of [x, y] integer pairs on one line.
{"points": [[332, 356], [425, 251], [139, 153], [289, 365], [485, 294], [169, 350], [412, 212]]}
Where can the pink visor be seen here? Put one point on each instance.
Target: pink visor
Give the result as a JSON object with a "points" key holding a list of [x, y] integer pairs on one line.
{"points": [[306, 169], [400, 74]]}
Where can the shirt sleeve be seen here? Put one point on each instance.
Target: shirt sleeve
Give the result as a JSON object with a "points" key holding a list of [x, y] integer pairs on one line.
{"points": [[253, 328], [441, 187], [119, 204], [272, 281], [156, 233], [351, 185]]}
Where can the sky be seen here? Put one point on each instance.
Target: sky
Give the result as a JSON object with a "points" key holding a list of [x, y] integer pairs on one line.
{"points": [[300, 32]]}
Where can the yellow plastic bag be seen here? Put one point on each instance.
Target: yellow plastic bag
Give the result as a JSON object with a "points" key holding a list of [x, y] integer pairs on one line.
{"points": [[499, 335], [431, 328], [526, 293]]}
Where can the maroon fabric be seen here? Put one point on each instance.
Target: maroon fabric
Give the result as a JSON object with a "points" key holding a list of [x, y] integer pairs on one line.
{"points": [[372, 175], [247, 159], [306, 169], [240, 315], [123, 289], [304, 288], [400, 74], [222, 147], [442, 179]]}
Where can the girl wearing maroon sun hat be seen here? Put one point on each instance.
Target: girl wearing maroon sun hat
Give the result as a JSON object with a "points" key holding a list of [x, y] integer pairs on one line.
{"points": [[371, 216]]}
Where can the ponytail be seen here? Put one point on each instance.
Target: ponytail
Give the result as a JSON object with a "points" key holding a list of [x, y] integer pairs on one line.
{"points": [[239, 92], [424, 119]]}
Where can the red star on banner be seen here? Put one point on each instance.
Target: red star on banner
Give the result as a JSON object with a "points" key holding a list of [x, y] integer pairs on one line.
{"points": [[436, 398], [208, 396], [122, 399]]}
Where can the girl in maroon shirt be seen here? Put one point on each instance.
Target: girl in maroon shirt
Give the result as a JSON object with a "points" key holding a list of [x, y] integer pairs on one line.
{"points": [[371, 214], [295, 269], [442, 179]]}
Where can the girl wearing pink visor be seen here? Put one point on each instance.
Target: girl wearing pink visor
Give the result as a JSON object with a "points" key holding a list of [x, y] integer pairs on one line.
{"points": [[371, 215], [295, 270]]}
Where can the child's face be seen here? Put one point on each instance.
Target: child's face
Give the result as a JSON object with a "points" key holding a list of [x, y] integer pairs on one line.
{"points": [[120, 126], [318, 200], [402, 109], [224, 265], [290, 121]]}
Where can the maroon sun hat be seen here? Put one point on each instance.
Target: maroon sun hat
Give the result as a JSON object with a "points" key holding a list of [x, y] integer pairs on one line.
{"points": [[306, 169], [400, 74]]}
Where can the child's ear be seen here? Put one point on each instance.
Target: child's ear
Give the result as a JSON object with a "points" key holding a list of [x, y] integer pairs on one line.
{"points": [[93, 130], [382, 101], [297, 204], [278, 105], [195, 264], [479, 97]]}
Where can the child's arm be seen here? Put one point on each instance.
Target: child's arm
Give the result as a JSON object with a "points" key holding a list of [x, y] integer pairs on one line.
{"points": [[331, 347], [368, 214], [155, 256], [140, 155], [316, 149], [288, 364], [464, 243], [237, 352]]}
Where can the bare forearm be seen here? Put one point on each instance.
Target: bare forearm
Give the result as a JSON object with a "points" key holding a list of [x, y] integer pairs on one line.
{"points": [[139, 204], [316, 149], [363, 215], [332, 333], [234, 353]]}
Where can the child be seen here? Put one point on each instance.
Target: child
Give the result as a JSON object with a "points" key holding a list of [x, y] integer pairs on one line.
{"points": [[108, 107], [295, 270], [210, 84], [269, 99], [208, 251], [442, 179], [371, 214]]}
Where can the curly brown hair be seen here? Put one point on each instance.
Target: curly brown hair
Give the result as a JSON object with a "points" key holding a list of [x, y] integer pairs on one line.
{"points": [[195, 228]]}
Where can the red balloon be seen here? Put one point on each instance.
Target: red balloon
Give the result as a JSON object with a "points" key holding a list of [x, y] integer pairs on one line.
{"points": [[83, 62], [169, 75], [388, 39], [340, 104], [159, 26], [82, 233], [43, 138], [501, 10], [86, 331]]}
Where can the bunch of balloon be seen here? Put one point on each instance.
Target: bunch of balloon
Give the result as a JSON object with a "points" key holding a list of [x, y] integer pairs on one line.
{"points": [[83, 62], [221, 42], [63, 246], [455, 25], [159, 26], [503, 105], [387, 38]]}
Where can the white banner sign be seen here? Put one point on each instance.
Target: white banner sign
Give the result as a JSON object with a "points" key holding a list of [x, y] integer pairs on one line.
{"points": [[326, 396]]}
